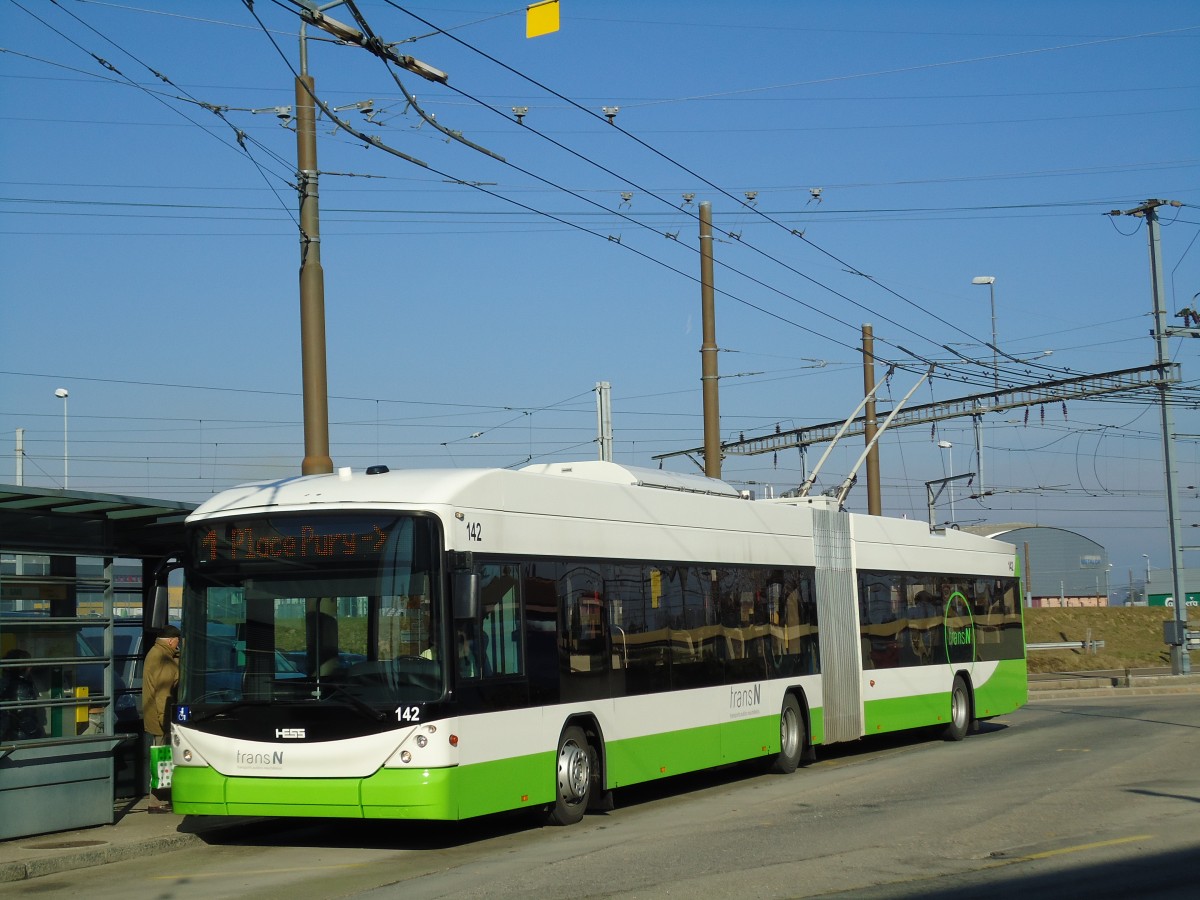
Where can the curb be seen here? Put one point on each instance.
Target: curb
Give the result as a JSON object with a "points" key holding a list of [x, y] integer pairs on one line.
{"points": [[23, 870], [1110, 684], [1111, 691]]}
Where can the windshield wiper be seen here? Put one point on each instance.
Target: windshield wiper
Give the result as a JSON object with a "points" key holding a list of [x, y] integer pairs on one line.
{"points": [[337, 692], [221, 710]]}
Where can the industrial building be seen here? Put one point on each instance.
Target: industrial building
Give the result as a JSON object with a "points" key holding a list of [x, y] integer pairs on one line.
{"points": [[1059, 567]]}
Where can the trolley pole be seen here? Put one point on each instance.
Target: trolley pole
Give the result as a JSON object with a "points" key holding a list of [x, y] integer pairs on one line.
{"points": [[874, 502], [708, 349], [312, 278]]}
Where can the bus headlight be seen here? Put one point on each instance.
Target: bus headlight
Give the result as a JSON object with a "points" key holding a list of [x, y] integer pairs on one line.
{"points": [[422, 740], [405, 756]]}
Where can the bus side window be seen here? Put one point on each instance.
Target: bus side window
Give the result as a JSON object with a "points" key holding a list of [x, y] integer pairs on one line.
{"points": [[498, 644], [541, 647]]}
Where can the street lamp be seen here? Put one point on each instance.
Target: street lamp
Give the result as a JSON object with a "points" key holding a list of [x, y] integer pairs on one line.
{"points": [[62, 394], [990, 281], [946, 445]]}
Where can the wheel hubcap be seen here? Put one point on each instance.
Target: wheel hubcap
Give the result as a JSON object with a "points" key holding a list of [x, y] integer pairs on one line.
{"points": [[574, 772], [958, 708], [789, 732]]}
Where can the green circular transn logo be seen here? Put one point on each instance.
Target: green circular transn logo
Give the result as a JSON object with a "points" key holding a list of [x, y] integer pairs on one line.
{"points": [[960, 629]]}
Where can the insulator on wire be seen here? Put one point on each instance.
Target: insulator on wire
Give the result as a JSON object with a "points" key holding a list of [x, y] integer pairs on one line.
{"points": [[1064, 403], [1042, 410], [1027, 415]]}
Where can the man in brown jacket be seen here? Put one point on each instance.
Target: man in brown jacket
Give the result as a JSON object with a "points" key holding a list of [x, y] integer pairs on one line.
{"points": [[160, 679]]}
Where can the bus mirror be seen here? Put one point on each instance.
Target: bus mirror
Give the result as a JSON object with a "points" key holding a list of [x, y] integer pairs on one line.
{"points": [[466, 594], [158, 612], [160, 608]]}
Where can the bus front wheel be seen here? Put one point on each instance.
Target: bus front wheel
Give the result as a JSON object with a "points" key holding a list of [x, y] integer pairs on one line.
{"points": [[791, 737], [573, 777]]}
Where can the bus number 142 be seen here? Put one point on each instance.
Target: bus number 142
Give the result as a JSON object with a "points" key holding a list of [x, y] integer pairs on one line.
{"points": [[408, 714]]}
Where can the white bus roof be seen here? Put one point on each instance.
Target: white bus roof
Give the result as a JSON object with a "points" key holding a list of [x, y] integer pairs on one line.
{"points": [[441, 486], [595, 470], [549, 498]]}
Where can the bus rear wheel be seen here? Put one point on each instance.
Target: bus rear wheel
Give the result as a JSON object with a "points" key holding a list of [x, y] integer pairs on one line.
{"points": [[573, 777], [791, 737], [960, 710]]}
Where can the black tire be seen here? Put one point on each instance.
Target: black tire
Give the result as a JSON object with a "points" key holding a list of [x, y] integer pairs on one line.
{"points": [[791, 737], [960, 711], [573, 777]]}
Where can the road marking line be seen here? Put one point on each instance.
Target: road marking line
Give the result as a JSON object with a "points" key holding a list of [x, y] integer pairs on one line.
{"points": [[1045, 854]]}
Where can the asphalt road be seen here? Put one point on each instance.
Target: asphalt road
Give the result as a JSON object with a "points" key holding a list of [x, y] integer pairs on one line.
{"points": [[1082, 797]]}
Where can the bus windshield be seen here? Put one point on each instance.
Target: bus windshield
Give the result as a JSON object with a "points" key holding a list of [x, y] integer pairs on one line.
{"points": [[328, 609]]}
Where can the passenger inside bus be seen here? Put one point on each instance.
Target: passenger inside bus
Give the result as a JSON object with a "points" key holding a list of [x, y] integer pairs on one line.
{"points": [[472, 653]]}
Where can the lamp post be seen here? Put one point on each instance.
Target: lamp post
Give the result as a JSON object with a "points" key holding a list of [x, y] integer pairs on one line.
{"points": [[63, 394], [946, 445], [990, 281], [1146, 587]]}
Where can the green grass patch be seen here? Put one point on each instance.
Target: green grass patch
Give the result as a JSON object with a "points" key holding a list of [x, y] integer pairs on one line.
{"points": [[1132, 636]]}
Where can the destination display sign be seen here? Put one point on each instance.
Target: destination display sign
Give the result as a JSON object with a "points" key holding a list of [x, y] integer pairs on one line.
{"points": [[292, 539]]}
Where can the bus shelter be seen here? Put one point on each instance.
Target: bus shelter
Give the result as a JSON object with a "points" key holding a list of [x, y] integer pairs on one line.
{"points": [[76, 587]]}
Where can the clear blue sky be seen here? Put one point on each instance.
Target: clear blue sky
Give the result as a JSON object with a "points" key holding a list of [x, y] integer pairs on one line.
{"points": [[148, 262]]}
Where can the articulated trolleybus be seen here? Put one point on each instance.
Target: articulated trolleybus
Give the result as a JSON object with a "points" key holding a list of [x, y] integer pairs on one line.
{"points": [[450, 643]]}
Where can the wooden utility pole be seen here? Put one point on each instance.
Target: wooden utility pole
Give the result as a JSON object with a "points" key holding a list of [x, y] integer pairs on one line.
{"points": [[312, 279]]}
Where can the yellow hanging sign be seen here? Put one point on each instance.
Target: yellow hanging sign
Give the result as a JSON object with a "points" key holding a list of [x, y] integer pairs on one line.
{"points": [[541, 18]]}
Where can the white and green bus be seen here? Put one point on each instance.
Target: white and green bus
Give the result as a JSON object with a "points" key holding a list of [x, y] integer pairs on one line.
{"points": [[443, 644]]}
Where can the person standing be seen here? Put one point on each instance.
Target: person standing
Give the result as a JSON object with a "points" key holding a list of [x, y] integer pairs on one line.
{"points": [[160, 679]]}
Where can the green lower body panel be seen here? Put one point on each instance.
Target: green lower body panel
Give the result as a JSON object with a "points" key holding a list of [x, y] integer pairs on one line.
{"points": [[391, 794], [453, 793], [880, 716], [654, 756], [816, 726], [1005, 691], [462, 792], [465, 791], [521, 782]]}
